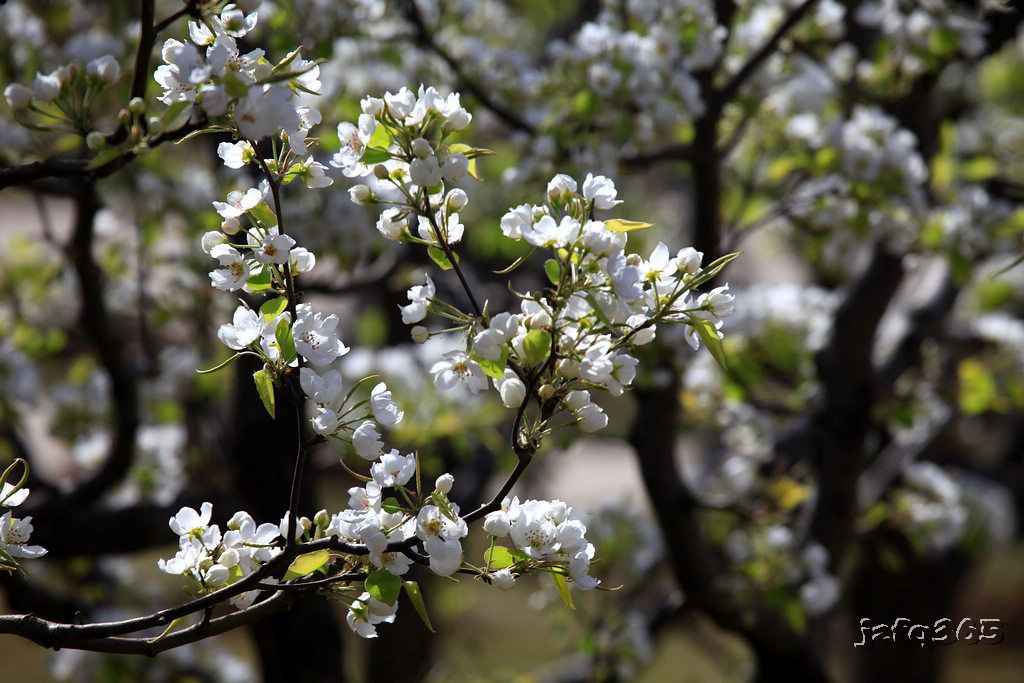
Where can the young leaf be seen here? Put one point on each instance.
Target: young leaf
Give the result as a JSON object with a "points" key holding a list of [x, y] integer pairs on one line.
{"points": [[624, 225], [412, 589], [383, 585], [375, 156], [553, 270], [265, 387], [304, 565], [563, 589], [709, 335], [536, 346], [259, 279], [441, 501], [285, 340], [493, 368], [499, 557], [390, 505], [264, 215], [272, 308], [438, 256]]}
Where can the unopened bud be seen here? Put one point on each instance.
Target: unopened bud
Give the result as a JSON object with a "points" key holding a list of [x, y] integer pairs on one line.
{"points": [[230, 226], [155, 125], [444, 483], [380, 171], [322, 519], [95, 140], [546, 391], [137, 105], [420, 334]]}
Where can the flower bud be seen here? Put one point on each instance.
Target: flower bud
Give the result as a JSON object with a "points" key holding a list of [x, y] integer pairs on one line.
{"points": [[381, 172], [421, 148], [497, 524], [322, 519], [230, 226], [46, 87], [217, 575], [137, 105], [420, 334], [456, 199], [228, 558], [360, 194], [561, 188], [155, 125], [503, 579], [18, 96], [546, 391], [105, 70], [444, 483], [95, 140], [305, 523]]}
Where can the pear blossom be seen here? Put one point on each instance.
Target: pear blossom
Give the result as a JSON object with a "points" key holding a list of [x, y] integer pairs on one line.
{"points": [[234, 270], [384, 408], [366, 441], [441, 538], [601, 191], [419, 298], [394, 469], [391, 223], [366, 612], [246, 327], [458, 368], [236, 154], [238, 203], [315, 337]]}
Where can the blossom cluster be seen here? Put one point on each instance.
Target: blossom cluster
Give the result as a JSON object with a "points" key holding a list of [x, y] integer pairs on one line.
{"points": [[15, 532], [541, 531], [214, 560], [770, 557]]}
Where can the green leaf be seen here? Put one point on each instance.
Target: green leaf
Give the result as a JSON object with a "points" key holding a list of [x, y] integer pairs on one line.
{"points": [[624, 225], [563, 589], [264, 215], [234, 85], [493, 368], [265, 387], [438, 256], [537, 345], [390, 505], [978, 391], [443, 504], [709, 335], [412, 589], [499, 557], [373, 155], [273, 307], [259, 279], [285, 340], [380, 139], [174, 111], [383, 585], [304, 565], [553, 270]]}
